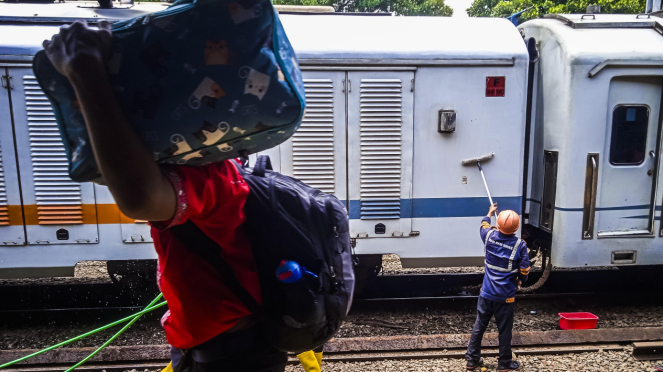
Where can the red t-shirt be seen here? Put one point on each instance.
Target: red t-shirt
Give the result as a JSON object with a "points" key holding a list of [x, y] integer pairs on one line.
{"points": [[200, 306]]}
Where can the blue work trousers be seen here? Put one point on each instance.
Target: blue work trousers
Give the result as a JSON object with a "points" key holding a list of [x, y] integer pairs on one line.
{"points": [[503, 313]]}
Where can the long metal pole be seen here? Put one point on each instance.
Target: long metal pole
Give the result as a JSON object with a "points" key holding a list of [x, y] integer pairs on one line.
{"points": [[486, 185]]}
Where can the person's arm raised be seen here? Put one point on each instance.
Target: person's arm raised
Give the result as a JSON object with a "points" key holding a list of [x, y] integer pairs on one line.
{"points": [[140, 190]]}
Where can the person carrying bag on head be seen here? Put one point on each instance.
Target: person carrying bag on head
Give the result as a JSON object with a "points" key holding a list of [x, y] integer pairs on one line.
{"points": [[252, 263]]}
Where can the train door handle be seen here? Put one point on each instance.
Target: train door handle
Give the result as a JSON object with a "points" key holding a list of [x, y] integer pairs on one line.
{"points": [[137, 238], [589, 205], [7, 82], [653, 155]]}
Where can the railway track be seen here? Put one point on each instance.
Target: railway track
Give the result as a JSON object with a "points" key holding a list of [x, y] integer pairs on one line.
{"points": [[56, 300], [367, 349], [350, 357]]}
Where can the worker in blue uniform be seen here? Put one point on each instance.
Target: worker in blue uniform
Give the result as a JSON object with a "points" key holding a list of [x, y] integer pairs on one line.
{"points": [[507, 266]]}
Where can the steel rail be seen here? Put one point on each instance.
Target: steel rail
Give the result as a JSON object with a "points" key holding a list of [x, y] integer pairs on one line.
{"points": [[60, 300], [350, 357], [472, 297]]}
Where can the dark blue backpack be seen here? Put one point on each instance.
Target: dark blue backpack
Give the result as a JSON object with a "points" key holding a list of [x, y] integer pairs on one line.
{"points": [[288, 220], [201, 81]]}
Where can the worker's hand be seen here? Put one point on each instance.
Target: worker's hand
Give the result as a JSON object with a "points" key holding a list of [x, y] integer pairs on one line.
{"points": [[493, 209], [79, 51], [519, 283]]}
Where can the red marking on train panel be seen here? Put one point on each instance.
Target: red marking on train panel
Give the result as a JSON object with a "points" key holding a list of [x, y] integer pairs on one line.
{"points": [[495, 86]]}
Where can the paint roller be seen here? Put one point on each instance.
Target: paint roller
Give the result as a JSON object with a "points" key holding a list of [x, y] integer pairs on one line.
{"points": [[478, 163]]}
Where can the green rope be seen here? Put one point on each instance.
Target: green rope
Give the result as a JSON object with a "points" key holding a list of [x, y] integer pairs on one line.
{"points": [[147, 310], [115, 336]]}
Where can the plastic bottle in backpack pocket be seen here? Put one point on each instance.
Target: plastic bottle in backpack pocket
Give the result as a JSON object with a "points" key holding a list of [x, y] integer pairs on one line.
{"points": [[300, 287]]}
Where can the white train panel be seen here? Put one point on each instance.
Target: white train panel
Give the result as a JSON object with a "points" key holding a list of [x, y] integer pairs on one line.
{"points": [[449, 199], [57, 209], [631, 131], [316, 153], [380, 130], [12, 232]]}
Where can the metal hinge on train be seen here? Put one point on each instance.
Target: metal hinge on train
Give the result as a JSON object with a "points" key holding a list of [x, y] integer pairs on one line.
{"points": [[6, 82]]}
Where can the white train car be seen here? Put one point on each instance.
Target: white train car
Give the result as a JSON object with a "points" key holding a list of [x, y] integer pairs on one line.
{"points": [[48, 223], [393, 106], [596, 138]]}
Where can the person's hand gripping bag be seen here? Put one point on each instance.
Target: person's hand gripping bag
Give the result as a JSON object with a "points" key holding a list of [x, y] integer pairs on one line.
{"points": [[200, 81]]}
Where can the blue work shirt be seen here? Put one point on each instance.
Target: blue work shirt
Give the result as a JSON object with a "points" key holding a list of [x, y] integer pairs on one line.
{"points": [[506, 260]]}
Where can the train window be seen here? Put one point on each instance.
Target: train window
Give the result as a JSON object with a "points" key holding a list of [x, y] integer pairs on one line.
{"points": [[629, 135]]}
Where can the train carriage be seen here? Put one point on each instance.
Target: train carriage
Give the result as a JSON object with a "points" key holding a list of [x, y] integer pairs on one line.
{"points": [[394, 104], [596, 137]]}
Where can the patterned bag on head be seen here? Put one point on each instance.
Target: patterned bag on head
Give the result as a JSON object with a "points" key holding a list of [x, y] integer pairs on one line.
{"points": [[201, 81]]}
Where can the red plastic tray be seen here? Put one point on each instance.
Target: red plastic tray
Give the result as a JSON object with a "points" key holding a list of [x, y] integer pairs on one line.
{"points": [[577, 320]]}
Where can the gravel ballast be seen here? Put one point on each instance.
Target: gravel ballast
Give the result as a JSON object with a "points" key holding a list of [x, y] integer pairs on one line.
{"points": [[85, 272], [621, 361], [455, 317], [608, 361]]}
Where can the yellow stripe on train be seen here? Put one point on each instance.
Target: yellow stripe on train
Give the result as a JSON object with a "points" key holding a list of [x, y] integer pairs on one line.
{"points": [[90, 214]]}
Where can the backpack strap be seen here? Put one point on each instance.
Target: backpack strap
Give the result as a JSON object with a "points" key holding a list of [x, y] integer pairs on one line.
{"points": [[198, 243], [263, 163], [239, 166]]}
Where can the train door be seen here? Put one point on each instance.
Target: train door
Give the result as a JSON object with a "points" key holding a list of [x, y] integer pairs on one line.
{"points": [[11, 213], [626, 206], [316, 152], [57, 209], [380, 131]]}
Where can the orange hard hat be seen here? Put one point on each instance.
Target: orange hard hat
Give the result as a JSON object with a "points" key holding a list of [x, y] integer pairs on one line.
{"points": [[508, 222]]}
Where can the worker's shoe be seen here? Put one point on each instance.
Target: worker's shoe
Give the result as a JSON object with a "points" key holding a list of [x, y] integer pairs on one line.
{"points": [[474, 364], [511, 366], [309, 361]]}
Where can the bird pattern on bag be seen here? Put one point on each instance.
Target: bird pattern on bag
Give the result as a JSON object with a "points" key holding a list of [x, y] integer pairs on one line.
{"points": [[186, 78]]}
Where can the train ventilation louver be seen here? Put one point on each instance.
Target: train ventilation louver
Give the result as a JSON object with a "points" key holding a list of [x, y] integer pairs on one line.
{"points": [[313, 143], [58, 198], [380, 103], [4, 208]]}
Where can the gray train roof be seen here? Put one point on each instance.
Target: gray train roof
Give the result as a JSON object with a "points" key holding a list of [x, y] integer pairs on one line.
{"points": [[332, 38], [594, 38]]}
